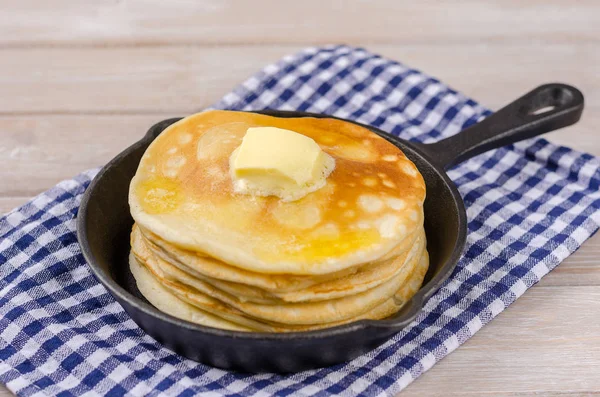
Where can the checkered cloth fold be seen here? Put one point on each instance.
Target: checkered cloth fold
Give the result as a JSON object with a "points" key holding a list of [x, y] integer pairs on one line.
{"points": [[529, 206]]}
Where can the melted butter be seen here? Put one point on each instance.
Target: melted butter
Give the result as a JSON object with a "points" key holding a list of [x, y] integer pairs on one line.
{"points": [[337, 246], [324, 247], [159, 195], [345, 147], [278, 162]]}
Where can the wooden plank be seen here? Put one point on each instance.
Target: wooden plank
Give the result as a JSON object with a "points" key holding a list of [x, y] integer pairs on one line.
{"points": [[125, 80], [187, 79], [37, 152], [8, 203], [546, 343], [105, 22]]}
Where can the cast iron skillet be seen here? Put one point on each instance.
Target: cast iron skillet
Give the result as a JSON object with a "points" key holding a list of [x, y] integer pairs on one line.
{"points": [[104, 225]]}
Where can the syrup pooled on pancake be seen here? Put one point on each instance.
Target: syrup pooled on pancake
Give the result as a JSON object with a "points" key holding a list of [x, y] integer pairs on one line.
{"points": [[262, 254]]}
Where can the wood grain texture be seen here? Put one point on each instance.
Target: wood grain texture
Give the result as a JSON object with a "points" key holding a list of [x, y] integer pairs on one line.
{"points": [[82, 80], [187, 79], [11, 202], [47, 149], [31, 22], [546, 343]]}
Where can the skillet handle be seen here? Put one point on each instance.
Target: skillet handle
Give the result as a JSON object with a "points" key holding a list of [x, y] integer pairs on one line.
{"points": [[546, 108]]}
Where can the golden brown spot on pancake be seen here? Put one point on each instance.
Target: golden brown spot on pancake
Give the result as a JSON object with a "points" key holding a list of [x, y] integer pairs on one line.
{"points": [[382, 175], [370, 203], [349, 214], [351, 184], [342, 203], [159, 195], [390, 157], [173, 150]]}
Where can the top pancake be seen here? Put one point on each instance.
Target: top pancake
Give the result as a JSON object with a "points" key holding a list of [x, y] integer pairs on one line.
{"points": [[183, 193]]}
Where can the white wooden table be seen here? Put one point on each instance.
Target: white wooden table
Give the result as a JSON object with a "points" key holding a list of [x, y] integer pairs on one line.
{"points": [[79, 81]]}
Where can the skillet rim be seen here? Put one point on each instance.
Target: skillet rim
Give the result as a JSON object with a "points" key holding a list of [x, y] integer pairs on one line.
{"points": [[410, 310]]}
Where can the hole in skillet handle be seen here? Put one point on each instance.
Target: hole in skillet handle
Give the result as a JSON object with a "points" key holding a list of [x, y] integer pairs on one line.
{"points": [[548, 98], [544, 109]]}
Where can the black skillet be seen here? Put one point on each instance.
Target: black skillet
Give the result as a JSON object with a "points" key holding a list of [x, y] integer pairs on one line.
{"points": [[104, 225]]}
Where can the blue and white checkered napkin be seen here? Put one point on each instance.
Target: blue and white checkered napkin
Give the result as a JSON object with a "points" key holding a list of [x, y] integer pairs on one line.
{"points": [[529, 206]]}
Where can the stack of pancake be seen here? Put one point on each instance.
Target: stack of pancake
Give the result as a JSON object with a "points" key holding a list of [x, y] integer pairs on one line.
{"points": [[353, 249]]}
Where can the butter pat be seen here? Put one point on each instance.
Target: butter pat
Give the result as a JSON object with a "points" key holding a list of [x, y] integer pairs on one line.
{"points": [[276, 162]]}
